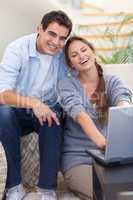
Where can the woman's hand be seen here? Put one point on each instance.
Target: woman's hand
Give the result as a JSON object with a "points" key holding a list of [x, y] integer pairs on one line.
{"points": [[123, 103], [100, 141], [44, 113], [89, 128]]}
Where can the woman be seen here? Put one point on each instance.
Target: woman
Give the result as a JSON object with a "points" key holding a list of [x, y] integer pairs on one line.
{"points": [[86, 96]]}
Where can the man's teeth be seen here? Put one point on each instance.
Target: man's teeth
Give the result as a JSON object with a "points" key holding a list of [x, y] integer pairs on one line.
{"points": [[52, 47]]}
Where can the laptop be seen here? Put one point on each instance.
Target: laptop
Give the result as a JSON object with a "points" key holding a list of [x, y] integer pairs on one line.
{"points": [[119, 149]]}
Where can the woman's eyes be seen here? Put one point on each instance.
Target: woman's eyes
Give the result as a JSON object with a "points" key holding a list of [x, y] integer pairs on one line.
{"points": [[74, 55], [83, 50]]}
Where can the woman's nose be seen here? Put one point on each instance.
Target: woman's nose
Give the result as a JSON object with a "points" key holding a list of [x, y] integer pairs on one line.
{"points": [[81, 55]]}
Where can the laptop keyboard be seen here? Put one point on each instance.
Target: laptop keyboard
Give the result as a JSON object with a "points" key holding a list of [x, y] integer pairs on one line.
{"points": [[102, 151], [99, 152]]}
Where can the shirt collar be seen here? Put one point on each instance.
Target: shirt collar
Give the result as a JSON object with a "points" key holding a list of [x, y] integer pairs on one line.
{"points": [[32, 46]]}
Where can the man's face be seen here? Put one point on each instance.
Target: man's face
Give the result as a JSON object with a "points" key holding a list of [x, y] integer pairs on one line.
{"points": [[52, 39]]}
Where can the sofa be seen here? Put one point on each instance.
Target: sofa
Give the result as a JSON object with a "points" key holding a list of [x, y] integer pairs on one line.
{"points": [[29, 145]]}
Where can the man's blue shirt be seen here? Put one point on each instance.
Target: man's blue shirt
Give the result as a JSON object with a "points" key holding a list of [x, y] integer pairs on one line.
{"points": [[20, 67]]}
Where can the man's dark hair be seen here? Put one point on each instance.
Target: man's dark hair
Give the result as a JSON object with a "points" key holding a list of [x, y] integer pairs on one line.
{"points": [[56, 16]]}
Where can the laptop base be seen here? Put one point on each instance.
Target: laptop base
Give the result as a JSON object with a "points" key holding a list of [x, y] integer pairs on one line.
{"points": [[100, 158]]}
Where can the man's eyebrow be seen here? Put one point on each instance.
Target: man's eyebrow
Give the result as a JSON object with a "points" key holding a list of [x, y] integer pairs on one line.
{"points": [[52, 32]]}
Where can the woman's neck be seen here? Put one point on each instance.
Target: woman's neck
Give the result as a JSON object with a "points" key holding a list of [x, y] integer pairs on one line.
{"points": [[89, 80], [88, 76]]}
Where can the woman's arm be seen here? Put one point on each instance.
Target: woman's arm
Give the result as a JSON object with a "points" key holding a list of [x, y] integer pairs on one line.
{"points": [[118, 94], [72, 102], [90, 129], [123, 103]]}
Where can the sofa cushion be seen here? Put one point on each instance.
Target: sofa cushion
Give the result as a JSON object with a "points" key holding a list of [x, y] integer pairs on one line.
{"points": [[30, 160], [3, 171]]}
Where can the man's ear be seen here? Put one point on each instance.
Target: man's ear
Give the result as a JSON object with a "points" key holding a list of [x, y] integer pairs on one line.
{"points": [[39, 28]]}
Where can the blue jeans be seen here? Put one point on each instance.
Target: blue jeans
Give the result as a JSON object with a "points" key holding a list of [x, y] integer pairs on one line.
{"points": [[16, 122]]}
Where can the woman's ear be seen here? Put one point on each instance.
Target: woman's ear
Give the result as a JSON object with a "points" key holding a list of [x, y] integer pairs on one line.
{"points": [[72, 66]]}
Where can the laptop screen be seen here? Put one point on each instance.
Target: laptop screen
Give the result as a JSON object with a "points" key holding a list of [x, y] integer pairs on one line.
{"points": [[120, 133]]}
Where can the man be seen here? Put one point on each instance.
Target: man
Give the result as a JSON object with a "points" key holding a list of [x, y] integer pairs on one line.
{"points": [[29, 71]]}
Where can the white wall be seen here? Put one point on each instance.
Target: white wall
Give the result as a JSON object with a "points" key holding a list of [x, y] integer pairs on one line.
{"points": [[21, 17], [18, 18], [114, 5], [124, 71]]}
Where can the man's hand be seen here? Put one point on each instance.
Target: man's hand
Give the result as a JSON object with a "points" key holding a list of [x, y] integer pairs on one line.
{"points": [[44, 113]]}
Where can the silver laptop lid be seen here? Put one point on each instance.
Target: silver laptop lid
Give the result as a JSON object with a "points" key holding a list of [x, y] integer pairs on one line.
{"points": [[120, 133]]}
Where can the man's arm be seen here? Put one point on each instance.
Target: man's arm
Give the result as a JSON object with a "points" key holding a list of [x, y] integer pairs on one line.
{"points": [[10, 68], [41, 111], [13, 99]]}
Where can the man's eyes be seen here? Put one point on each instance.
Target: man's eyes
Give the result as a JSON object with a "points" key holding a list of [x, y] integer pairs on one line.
{"points": [[62, 38], [55, 35], [52, 34]]}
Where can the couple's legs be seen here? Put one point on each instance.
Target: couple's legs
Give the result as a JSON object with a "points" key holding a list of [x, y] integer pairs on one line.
{"points": [[79, 180], [13, 123]]}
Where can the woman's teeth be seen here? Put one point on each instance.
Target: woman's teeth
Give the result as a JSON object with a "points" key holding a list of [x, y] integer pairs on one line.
{"points": [[84, 61]]}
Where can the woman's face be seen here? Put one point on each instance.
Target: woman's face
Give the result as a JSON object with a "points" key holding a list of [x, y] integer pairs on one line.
{"points": [[81, 56]]}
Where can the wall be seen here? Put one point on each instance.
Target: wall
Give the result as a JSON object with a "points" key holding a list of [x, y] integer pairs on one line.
{"points": [[113, 5], [18, 18]]}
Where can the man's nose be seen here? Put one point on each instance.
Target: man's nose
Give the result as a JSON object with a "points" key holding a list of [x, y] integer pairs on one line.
{"points": [[56, 41]]}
